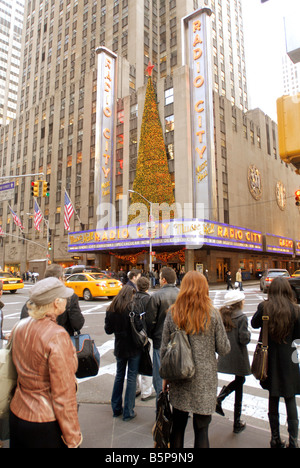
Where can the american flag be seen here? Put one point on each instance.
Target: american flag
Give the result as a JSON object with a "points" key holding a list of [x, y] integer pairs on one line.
{"points": [[16, 219], [38, 217], [69, 211]]}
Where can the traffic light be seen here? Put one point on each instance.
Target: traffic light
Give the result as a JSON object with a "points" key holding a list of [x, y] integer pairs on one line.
{"points": [[49, 245], [288, 113], [46, 189], [35, 189], [297, 198]]}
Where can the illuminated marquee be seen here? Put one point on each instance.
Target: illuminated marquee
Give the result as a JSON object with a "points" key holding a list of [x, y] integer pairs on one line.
{"points": [[177, 232], [105, 119], [279, 244]]}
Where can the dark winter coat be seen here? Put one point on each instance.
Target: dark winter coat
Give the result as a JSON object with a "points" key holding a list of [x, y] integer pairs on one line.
{"points": [[157, 309], [71, 320], [283, 368], [237, 361], [118, 323]]}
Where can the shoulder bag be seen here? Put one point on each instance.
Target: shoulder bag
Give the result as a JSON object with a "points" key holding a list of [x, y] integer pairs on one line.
{"points": [[178, 362], [140, 338], [87, 354], [259, 366]]}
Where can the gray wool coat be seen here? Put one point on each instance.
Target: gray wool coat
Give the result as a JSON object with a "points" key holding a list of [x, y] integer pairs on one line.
{"points": [[237, 361], [198, 395]]}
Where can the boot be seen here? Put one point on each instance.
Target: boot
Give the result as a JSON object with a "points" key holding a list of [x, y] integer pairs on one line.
{"points": [[293, 433], [223, 394], [239, 425], [276, 442]]}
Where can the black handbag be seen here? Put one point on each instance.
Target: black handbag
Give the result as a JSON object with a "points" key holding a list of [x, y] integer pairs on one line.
{"points": [[178, 362], [163, 426], [145, 366], [140, 338], [87, 354]]}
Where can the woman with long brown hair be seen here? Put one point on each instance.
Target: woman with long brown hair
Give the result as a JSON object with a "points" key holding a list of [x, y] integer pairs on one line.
{"points": [[127, 354], [283, 367], [193, 312]]}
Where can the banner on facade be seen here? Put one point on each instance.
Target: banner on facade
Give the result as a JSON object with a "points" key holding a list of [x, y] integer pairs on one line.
{"points": [[104, 148], [197, 51]]}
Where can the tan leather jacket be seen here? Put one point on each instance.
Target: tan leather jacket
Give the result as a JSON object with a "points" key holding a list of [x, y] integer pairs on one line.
{"points": [[46, 362]]}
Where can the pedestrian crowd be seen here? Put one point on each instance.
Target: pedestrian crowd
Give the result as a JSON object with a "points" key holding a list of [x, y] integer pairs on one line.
{"points": [[43, 410]]}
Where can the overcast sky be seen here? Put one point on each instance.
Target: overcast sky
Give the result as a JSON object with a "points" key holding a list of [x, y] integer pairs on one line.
{"points": [[264, 46]]}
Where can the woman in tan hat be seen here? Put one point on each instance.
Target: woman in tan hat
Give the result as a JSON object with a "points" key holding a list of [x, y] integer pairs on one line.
{"points": [[44, 408], [237, 361]]}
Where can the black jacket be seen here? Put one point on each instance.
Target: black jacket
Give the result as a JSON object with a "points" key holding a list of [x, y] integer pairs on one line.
{"points": [[157, 309], [283, 367], [72, 319], [118, 323]]}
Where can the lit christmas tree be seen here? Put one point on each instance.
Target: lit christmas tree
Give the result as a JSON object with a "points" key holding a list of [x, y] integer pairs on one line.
{"points": [[152, 179]]}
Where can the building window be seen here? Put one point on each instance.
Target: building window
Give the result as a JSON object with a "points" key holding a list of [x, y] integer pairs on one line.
{"points": [[169, 123], [169, 96]]}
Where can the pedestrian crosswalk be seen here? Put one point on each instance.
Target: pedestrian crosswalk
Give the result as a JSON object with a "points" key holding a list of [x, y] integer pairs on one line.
{"points": [[255, 401]]}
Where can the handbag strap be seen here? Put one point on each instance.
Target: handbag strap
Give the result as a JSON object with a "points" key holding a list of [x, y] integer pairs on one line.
{"points": [[265, 331]]}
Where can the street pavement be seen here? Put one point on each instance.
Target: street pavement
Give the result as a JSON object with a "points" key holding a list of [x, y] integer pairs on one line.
{"points": [[101, 430]]}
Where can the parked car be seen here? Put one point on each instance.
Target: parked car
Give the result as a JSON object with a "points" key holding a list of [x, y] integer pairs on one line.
{"points": [[296, 274], [268, 277], [90, 285], [80, 269], [10, 282], [295, 284]]}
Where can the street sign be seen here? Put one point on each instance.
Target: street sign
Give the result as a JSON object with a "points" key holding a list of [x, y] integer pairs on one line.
{"points": [[7, 191]]}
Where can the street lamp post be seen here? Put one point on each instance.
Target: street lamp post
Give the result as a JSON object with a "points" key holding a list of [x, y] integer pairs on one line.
{"points": [[150, 230]]}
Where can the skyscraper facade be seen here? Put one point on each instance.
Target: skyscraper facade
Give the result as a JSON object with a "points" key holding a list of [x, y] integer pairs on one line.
{"points": [[11, 25]]}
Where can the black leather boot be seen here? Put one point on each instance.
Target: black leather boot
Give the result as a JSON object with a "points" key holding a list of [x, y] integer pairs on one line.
{"points": [[293, 427], [276, 442], [239, 425], [221, 397]]}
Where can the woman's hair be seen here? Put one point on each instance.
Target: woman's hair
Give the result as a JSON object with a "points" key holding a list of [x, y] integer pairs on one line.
{"points": [[281, 309], [39, 312], [121, 302], [226, 314], [192, 308]]}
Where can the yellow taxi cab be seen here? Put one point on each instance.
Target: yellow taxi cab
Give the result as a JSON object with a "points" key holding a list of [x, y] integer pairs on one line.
{"points": [[90, 285], [10, 282], [296, 274]]}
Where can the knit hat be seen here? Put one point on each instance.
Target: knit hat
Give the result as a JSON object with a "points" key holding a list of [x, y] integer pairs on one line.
{"points": [[233, 297]]}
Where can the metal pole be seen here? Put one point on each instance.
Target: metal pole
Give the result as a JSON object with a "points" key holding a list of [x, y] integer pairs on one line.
{"points": [[150, 222]]}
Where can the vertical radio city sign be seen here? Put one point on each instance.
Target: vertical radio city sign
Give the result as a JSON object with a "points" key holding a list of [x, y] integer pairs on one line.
{"points": [[197, 51], [105, 120]]}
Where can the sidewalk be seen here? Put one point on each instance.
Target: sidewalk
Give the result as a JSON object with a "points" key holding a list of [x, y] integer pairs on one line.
{"points": [[101, 430]]}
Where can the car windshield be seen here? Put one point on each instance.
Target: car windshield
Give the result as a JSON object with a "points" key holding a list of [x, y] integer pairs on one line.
{"points": [[6, 275], [273, 274], [97, 276]]}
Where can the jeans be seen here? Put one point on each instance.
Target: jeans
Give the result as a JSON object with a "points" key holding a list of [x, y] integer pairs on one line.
{"points": [[116, 399], [157, 380]]}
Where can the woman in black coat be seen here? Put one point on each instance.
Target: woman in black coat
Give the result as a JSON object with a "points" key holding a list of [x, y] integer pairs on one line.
{"points": [[283, 366], [237, 361], [127, 354]]}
